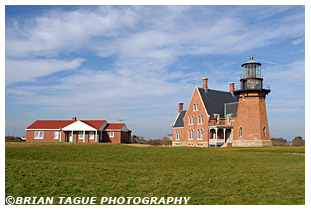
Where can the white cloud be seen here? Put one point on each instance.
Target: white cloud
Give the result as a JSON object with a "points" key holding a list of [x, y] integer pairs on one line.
{"points": [[27, 70]]}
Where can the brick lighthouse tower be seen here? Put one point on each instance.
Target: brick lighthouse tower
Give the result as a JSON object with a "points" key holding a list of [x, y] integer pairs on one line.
{"points": [[251, 127]]}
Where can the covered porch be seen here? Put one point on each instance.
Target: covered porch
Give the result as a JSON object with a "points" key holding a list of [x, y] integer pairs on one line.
{"points": [[219, 135], [81, 132]]}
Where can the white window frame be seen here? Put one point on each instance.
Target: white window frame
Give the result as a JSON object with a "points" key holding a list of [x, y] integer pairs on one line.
{"points": [[111, 134], [191, 120], [80, 134], [39, 135], [199, 119], [197, 107], [57, 135], [241, 131], [92, 135], [201, 134], [217, 119], [198, 134]]}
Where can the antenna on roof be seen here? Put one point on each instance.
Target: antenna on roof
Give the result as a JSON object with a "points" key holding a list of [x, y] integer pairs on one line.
{"points": [[121, 120]]}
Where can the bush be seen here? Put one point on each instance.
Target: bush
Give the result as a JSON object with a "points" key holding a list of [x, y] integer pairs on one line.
{"points": [[13, 139]]}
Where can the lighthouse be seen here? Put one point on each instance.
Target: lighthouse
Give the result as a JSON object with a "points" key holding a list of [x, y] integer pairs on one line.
{"points": [[251, 126]]}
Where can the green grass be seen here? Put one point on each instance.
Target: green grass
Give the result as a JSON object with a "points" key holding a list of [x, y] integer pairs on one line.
{"points": [[269, 175]]}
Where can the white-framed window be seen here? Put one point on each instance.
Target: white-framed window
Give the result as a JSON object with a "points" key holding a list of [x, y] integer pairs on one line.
{"points": [[177, 135], [228, 119], [241, 131], [197, 107], [189, 120], [199, 119], [56, 134], [91, 135], [198, 134], [190, 134], [39, 134], [217, 119], [80, 134], [201, 134], [111, 134], [193, 106]]}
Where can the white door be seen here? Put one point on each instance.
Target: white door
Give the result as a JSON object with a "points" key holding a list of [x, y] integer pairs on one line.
{"points": [[70, 137]]}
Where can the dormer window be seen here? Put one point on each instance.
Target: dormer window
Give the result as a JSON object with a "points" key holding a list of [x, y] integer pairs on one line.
{"points": [[217, 119]]}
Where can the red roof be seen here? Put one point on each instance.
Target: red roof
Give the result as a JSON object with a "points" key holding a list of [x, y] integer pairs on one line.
{"points": [[56, 124], [94, 123], [50, 124], [115, 126]]}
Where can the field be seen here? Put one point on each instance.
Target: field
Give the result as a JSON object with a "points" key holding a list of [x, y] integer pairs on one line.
{"points": [[270, 175]]}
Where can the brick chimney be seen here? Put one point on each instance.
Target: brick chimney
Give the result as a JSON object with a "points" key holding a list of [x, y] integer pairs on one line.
{"points": [[74, 118], [205, 84], [231, 87], [180, 107]]}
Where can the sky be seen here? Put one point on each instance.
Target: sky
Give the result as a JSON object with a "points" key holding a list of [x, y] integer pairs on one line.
{"points": [[138, 62]]}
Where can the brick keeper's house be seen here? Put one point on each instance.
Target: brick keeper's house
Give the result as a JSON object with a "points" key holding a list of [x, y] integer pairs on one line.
{"points": [[84, 131], [218, 118]]}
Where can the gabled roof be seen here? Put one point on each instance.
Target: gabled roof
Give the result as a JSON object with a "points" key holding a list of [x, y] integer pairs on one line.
{"points": [[79, 126], [214, 100], [115, 126], [94, 123], [50, 124], [57, 124], [179, 121]]}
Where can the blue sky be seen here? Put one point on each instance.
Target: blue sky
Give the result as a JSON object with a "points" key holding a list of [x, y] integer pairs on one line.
{"points": [[138, 62]]}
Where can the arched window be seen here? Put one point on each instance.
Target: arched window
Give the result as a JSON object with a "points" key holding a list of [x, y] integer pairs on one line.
{"points": [[264, 131], [241, 130]]}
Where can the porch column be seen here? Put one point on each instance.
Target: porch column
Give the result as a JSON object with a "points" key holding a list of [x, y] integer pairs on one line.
{"points": [[216, 129], [71, 135], [83, 136], [96, 136], [223, 135], [60, 135]]}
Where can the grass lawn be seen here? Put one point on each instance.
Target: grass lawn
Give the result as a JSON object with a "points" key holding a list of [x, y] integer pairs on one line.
{"points": [[269, 175]]}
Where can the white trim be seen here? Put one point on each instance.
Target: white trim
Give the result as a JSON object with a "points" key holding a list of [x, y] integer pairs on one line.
{"points": [[34, 135], [57, 134], [90, 135], [79, 126], [111, 132]]}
